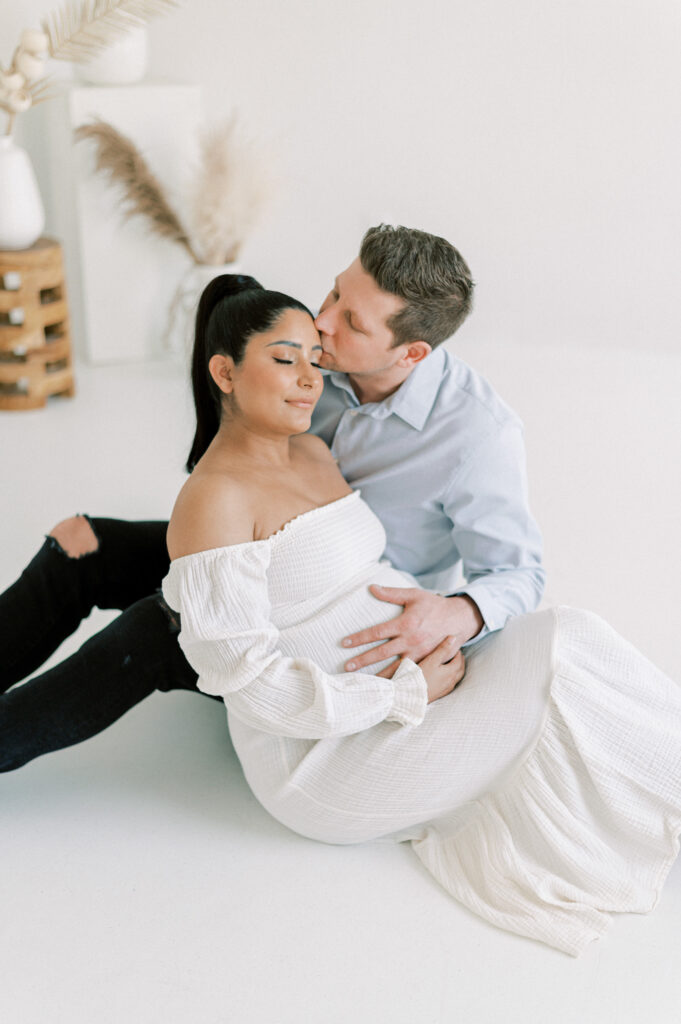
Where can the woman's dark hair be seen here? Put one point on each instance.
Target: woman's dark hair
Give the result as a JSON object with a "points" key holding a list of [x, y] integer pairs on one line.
{"points": [[231, 309]]}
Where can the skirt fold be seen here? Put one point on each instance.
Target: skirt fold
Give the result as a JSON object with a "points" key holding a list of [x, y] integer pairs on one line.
{"points": [[589, 823]]}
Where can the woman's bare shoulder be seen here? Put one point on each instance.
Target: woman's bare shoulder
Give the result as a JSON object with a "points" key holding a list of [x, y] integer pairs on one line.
{"points": [[211, 511]]}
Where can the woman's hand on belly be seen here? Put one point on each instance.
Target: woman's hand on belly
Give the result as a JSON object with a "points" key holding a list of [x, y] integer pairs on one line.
{"points": [[442, 670]]}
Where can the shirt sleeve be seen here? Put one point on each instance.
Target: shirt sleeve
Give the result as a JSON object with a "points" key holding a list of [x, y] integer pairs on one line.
{"points": [[228, 638], [493, 530]]}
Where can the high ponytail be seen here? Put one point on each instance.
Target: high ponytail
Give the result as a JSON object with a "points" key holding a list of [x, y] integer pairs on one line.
{"points": [[206, 394], [232, 307]]}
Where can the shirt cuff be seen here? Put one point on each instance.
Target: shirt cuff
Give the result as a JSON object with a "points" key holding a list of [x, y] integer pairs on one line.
{"points": [[485, 608], [411, 694]]}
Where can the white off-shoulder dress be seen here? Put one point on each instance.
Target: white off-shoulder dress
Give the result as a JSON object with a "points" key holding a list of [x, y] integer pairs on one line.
{"points": [[544, 793]]}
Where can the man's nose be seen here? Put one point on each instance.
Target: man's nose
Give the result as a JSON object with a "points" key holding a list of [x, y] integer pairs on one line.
{"points": [[324, 321]]}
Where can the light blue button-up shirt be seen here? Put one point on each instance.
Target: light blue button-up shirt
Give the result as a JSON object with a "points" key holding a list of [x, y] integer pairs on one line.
{"points": [[441, 462]]}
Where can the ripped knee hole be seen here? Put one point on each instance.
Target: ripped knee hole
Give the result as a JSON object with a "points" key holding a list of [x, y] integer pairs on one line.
{"points": [[74, 537]]}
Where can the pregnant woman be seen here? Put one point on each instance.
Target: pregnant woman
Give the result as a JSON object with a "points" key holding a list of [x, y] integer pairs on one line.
{"points": [[544, 792]]}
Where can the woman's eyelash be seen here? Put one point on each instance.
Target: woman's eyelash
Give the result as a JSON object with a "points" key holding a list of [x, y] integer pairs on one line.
{"points": [[289, 362]]}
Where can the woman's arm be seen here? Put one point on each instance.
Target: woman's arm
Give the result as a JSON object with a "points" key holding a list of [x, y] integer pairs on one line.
{"points": [[227, 637]]}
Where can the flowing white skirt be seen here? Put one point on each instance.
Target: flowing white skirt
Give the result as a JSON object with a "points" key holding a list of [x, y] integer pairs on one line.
{"points": [[544, 793]]}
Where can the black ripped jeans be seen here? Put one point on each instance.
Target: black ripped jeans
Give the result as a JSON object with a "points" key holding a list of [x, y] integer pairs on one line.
{"points": [[126, 661]]}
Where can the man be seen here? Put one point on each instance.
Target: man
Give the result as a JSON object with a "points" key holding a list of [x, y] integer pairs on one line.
{"points": [[437, 455]]}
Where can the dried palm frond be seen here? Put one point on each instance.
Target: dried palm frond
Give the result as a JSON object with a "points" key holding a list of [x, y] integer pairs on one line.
{"points": [[42, 90], [143, 196], [227, 194], [80, 29]]}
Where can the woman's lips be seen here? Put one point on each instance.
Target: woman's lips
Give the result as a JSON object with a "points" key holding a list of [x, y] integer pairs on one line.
{"points": [[300, 403]]}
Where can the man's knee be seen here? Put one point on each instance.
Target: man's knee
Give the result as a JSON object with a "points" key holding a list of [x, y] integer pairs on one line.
{"points": [[75, 537]]}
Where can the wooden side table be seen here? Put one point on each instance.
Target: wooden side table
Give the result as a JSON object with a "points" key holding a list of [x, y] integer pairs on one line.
{"points": [[35, 341]]}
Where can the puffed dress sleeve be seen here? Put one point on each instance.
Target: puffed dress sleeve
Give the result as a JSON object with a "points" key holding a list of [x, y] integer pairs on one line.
{"points": [[228, 638]]}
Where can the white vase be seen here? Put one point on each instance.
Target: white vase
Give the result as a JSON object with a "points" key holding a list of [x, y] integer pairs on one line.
{"points": [[22, 217], [122, 63], [180, 334]]}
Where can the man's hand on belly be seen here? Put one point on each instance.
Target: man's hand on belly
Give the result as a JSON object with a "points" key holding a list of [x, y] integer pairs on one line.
{"points": [[426, 620]]}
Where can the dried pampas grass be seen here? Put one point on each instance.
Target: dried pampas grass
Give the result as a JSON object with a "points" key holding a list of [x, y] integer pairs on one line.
{"points": [[225, 197], [143, 196], [227, 194]]}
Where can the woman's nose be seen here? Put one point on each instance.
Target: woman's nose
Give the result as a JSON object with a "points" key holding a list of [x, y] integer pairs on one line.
{"points": [[310, 377]]}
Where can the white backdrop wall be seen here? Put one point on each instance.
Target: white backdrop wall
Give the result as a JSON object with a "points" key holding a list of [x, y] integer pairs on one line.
{"points": [[541, 137]]}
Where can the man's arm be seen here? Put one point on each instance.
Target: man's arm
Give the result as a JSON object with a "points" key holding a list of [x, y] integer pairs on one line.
{"points": [[493, 530], [499, 544]]}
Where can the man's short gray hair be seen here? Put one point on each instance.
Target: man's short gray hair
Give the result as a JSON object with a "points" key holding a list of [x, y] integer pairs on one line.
{"points": [[428, 273]]}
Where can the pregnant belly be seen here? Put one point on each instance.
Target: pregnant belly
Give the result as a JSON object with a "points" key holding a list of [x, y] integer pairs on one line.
{"points": [[316, 633]]}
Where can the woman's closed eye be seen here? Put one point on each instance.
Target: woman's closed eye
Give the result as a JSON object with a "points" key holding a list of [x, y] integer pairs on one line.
{"points": [[289, 362]]}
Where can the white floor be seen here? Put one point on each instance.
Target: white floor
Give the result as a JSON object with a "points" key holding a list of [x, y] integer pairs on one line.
{"points": [[140, 880]]}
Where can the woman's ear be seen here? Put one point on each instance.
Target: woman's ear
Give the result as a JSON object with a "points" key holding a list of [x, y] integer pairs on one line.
{"points": [[220, 368]]}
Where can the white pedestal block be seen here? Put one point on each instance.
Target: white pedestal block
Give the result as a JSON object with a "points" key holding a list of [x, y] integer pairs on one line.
{"points": [[121, 277]]}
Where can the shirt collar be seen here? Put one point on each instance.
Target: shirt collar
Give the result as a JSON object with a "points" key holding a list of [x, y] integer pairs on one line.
{"points": [[414, 398]]}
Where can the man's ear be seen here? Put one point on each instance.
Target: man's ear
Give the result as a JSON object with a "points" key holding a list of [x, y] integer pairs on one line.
{"points": [[414, 352], [220, 368]]}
